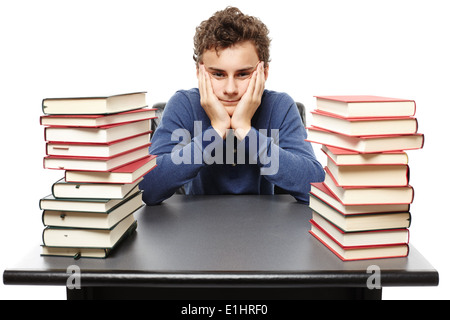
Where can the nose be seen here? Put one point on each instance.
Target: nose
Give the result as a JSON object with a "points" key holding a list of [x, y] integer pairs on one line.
{"points": [[231, 87]]}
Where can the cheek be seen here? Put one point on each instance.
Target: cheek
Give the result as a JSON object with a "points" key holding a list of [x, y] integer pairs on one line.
{"points": [[243, 85], [216, 85]]}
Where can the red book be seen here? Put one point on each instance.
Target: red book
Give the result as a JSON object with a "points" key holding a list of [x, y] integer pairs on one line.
{"points": [[128, 173], [344, 157], [362, 252], [95, 105], [359, 221], [367, 126], [105, 134], [366, 144], [108, 149], [91, 120], [324, 194], [369, 195], [366, 106], [95, 163], [370, 175], [379, 237]]}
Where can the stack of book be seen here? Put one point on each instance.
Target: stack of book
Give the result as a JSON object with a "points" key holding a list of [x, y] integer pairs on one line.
{"points": [[362, 209], [101, 144]]}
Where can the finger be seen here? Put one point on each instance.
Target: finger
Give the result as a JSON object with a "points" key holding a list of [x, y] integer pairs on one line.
{"points": [[208, 84], [261, 80], [202, 82], [203, 88], [200, 78], [252, 83]]}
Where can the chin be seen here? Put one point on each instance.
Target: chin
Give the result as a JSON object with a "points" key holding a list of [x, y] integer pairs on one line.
{"points": [[230, 110]]}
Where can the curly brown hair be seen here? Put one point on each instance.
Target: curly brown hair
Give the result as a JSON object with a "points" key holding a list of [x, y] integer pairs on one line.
{"points": [[228, 27]]}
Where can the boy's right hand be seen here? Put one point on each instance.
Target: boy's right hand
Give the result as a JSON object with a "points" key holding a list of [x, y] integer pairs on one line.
{"points": [[220, 119]]}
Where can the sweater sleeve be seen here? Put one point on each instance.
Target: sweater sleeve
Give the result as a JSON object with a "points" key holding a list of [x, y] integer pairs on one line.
{"points": [[179, 146], [284, 157]]}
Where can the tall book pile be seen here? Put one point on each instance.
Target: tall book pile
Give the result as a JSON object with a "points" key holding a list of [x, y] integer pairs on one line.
{"points": [[362, 209], [101, 144]]}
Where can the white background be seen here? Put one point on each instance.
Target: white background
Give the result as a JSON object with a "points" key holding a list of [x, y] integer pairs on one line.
{"points": [[80, 48]]}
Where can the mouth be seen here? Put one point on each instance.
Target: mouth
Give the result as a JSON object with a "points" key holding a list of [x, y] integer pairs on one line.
{"points": [[230, 102]]}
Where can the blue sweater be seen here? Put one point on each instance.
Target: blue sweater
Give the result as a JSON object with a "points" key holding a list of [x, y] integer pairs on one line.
{"points": [[191, 153]]}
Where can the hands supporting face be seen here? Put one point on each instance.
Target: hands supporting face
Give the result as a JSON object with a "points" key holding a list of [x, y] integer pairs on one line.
{"points": [[240, 120]]}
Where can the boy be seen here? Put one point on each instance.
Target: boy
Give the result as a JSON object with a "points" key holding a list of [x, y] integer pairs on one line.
{"points": [[231, 136]]}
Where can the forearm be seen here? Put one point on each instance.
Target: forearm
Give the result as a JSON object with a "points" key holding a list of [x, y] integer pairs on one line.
{"points": [[292, 169], [177, 166]]}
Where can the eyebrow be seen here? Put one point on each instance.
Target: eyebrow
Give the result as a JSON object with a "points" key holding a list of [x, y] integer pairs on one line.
{"points": [[240, 70]]}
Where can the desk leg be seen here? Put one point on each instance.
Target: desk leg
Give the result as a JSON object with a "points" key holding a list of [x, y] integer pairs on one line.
{"points": [[141, 293]]}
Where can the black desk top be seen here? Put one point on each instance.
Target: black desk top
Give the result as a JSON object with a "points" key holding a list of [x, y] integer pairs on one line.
{"points": [[219, 241]]}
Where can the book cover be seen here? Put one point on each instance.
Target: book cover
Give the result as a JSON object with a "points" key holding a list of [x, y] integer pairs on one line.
{"points": [[104, 134], [366, 144], [344, 157], [97, 120], [322, 192], [101, 150], [377, 237], [87, 238], [92, 220], [360, 221], [369, 195], [81, 252], [364, 126], [359, 252], [95, 163], [127, 173], [77, 190], [95, 105], [369, 175], [366, 106], [49, 202]]}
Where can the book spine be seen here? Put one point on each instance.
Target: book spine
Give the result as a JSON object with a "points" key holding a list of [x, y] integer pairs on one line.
{"points": [[43, 106]]}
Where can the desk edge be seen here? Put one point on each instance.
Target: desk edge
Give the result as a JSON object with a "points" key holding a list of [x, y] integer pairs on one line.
{"points": [[117, 278]]}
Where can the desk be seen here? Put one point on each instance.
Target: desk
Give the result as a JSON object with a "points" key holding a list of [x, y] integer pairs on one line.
{"points": [[223, 247]]}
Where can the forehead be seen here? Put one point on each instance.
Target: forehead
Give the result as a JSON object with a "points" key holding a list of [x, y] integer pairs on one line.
{"points": [[235, 57]]}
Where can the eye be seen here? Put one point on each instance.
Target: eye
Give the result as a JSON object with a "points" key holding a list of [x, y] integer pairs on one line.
{"points": [[243, 75], [218, 75]]}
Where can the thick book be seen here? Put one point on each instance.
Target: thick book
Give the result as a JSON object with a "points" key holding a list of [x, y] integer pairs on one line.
{"points": [[95, 105], [368, 126], [77, 190], [95, 163], [81, 252], [125, 174], [347, 157], [97, 120], [366, 144], [103, 134], [92, 220], [360, 221], [366, 106], [361, 238], [369, 175], [352, 253], [321, 191], [369, 195], [109, 149], [86, 238], [49, 202]]}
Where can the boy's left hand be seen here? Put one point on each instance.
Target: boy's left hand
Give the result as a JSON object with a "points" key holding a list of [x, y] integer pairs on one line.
{"points": [[249, 103]]}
